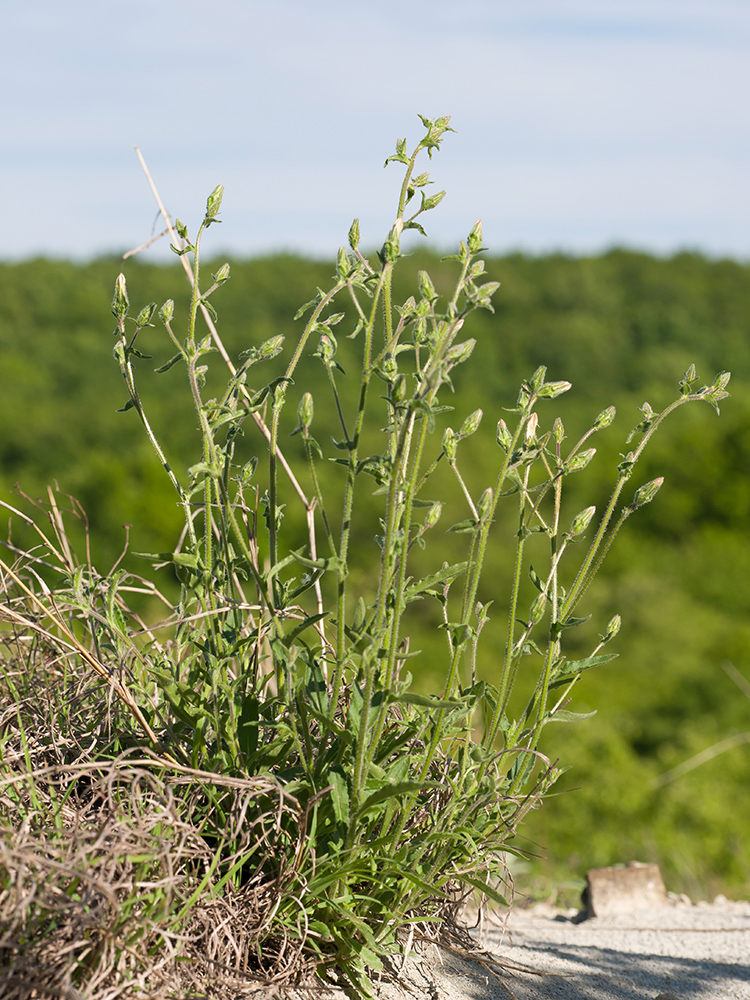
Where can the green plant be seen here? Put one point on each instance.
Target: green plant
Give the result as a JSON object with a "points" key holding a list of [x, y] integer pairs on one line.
{"points": [[343, 808]]}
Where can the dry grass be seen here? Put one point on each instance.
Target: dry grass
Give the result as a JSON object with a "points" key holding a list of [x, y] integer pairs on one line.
{"points": [[115, 882]]}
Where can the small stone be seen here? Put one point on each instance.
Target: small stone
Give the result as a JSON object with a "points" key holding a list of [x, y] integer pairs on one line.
{"points": [[613, 891]]}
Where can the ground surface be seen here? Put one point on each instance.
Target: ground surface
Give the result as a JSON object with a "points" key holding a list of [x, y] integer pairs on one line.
{"points": [[677, 952]]}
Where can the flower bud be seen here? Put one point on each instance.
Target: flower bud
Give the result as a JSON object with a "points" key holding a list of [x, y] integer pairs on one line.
{"points": [[222, 274], [646, 493], [167, 312], [354, 234], [305, 411], [214, 203], [449, 444], [460, 352], [580, 461], [271, 347], [558, 431], [551, 390], [471, 423], [484, 507], [120, 302], [504, 438], [581, 522], [531, 426], [605, 418], [343, 265], [474, 242], [537, 609], [426, 287], [433, 515], [612, 629]]}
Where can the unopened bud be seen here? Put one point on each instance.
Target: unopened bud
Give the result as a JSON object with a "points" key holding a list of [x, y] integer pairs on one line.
{"points": [[551, 390], [460, 352], [605, 418], [580, 461], [354, 234], [426, 287], [581, 522], [646, 493], [484, 507], [271, 347], [537, 609], [558, 431], [120, 302], [433, 515], [343, 265], [471, 423], [474, 242], [504, 438], [167, 311], [222, 274], [305, 411], [612, 629], [214, 202], [449, 444], [531, 425]]}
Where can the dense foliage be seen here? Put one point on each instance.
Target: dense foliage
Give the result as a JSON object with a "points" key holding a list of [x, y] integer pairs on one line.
{"points": [[622, 328]]}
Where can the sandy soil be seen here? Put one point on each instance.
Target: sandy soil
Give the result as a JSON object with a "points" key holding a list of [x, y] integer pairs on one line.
{"points": [[677, 952]]}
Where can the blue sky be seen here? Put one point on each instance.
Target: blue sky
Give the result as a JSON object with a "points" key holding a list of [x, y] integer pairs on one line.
{"points": [[580, 123]]}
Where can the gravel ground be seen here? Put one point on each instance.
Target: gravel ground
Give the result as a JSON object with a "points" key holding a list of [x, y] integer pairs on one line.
{"points": [[677, 952]]}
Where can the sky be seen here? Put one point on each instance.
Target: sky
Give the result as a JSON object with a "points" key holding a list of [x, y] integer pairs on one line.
{"points": [[580, 124]]}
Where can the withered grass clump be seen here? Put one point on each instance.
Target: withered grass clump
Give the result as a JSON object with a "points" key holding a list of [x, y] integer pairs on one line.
{"points": [[115, 881], [255, 788]]}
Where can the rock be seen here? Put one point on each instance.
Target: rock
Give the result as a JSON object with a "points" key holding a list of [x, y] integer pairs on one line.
{"points": [[613, 891]]}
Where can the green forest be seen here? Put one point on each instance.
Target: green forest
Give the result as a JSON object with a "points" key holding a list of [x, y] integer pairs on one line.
{"points": [[622, 327]]}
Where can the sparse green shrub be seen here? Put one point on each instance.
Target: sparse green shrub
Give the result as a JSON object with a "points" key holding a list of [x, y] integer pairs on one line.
{"points": [[338, 811]]}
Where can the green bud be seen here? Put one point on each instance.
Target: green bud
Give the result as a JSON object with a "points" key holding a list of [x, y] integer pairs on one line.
{"points": [[558, 431], [433, 515], [181, 229], [605, 418], [531, 427], [145, 315], [392, 247], [398, 392], [476, 269], [721, 381], [504, 438], [580, 461], [449, 444], [426, 287], [537, 379], [484, 507], [432, 202], [213, 203], [343, 265], [167, 312], [460, 352], [271, 347], [612, 629], [474, 242], [646, 493], [581, 522], [120, 302], [354, 234], [471, 423], [536, 612], [305, 411], [222, 274], [551, 390], [326, 347]]}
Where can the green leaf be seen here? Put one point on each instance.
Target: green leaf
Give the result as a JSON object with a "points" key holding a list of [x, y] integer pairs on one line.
{"points": [[396, 790], [445, 575], [561, 715]]}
